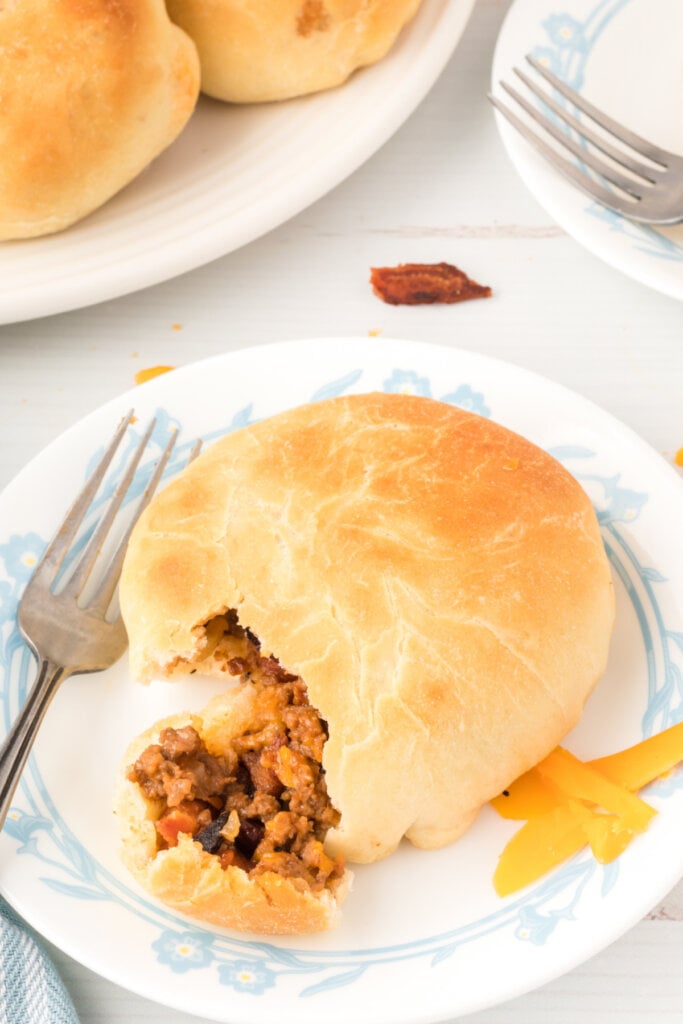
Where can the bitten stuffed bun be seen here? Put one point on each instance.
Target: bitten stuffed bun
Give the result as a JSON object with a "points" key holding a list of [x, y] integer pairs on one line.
{"points": [[432, 586], [224, 813]]}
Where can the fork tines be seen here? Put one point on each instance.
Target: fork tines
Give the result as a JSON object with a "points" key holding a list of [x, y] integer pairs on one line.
{"points": [[56, 551], [635, 171]]}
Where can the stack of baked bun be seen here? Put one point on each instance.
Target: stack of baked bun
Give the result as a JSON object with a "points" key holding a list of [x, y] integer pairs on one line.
{"points": [[409, 604], [91, 91]]}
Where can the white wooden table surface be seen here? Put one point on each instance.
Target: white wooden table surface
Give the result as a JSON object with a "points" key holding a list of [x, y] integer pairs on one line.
{"points": [[441, 189]]}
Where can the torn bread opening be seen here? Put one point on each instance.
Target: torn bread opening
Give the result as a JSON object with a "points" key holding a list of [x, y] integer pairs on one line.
{"points": [[260, 803]]}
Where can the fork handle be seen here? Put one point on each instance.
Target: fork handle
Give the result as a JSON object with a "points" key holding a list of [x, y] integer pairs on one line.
{"points": [[19, 741]]}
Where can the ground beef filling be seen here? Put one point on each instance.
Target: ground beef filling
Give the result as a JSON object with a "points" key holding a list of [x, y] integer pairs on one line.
{"points": [[261, 805]]}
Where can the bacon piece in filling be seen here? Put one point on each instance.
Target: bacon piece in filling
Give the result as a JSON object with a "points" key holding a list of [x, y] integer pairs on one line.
{"points": [[261, 805]]}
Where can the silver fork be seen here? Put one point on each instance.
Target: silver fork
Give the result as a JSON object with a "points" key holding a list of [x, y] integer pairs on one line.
{"points": [[68, 634], [651, 193]]}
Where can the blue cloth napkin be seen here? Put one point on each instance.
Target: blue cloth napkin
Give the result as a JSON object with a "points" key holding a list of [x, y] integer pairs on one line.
{"points": [[31, 990]]}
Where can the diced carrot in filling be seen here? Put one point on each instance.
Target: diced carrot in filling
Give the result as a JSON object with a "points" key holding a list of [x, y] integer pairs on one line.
{"points": [[190, 816], [261, 805]]}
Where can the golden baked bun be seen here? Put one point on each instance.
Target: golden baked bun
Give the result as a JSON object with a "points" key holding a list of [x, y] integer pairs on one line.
{"points": [[438, 582], [92, 91], [259, 50]]}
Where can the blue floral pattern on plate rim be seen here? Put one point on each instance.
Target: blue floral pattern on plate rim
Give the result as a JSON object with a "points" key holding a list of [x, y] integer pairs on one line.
{"points": [[253, 967]]}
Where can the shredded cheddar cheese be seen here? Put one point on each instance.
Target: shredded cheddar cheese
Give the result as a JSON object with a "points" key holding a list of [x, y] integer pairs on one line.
{"points": [[580, 781], [568, 804], [151, 371]]}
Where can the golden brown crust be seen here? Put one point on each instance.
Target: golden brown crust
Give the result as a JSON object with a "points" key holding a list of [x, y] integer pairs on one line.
{"points": [[253, 50], [192, 881], [437, 581], [91, 91]]}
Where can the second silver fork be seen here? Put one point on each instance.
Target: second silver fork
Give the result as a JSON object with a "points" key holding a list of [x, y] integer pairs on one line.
{"points": [[647, 180]]}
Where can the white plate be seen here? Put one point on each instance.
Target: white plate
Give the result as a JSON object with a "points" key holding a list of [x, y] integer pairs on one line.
{"points": [[235, 173], [625, 56], [424, 937]]}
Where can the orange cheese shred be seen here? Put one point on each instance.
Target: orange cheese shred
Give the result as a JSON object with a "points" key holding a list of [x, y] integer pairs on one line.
{"points": [[529, 796], [644, 762], [540, 845], [579, 781], [150, 372], [568, 804], [606, 835]]}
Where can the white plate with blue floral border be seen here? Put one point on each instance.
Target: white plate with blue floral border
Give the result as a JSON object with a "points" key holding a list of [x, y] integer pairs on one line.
{"points": [[625, 56], [424, 936]]}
